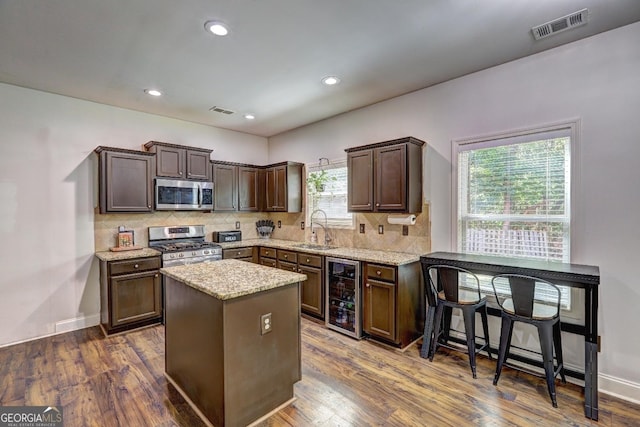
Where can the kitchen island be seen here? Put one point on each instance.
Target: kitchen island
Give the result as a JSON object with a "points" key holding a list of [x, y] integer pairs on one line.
{"points": [[232, 337]]}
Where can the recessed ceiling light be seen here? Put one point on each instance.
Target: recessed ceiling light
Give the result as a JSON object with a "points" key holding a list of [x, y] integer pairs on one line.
{"points": [[330, 80], [249, 116], [153, 92], [216, 27]]}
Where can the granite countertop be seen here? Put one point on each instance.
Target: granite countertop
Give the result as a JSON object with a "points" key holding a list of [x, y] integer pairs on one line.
{"points": [[230, 278], [357, 254], [123, 255]]}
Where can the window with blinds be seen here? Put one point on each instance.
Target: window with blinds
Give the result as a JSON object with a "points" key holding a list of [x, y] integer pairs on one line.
{"points": [[327, 190], [513, 197]]}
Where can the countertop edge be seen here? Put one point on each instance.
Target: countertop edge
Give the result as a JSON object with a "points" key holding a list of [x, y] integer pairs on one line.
{"points": [[239, 281], [356, 254], [125, 255]]}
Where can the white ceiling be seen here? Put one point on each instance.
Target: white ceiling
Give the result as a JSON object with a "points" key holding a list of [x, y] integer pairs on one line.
{"points": [[276, 53]]}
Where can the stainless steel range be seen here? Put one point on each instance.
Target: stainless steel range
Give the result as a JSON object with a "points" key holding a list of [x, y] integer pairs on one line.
{"points": [[183, 244]]}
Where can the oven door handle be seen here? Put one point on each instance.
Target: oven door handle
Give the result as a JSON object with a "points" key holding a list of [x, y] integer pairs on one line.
{"points": [[199, 196]]}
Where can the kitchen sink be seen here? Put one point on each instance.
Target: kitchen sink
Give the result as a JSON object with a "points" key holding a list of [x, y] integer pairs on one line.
{"points": [[314, 246]]}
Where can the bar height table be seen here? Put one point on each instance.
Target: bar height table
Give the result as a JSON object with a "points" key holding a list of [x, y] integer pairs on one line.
{"points": [[586, 277]]}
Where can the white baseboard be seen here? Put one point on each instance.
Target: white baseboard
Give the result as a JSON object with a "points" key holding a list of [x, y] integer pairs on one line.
{"points": [[62, 327], [619, 387], [607, 384], [77, 323]]}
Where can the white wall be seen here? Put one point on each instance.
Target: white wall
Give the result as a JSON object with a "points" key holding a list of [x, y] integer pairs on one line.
{"points": [[596, 80], [48, 274]]}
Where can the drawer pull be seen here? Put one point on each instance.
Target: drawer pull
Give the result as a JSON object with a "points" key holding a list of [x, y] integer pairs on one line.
{"points": [[239, 253], [308, 260], [378, 272], [286, 256], [136, 266]]}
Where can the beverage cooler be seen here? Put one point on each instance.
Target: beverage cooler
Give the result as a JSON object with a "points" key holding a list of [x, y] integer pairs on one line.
{"points": [[344, 295]]}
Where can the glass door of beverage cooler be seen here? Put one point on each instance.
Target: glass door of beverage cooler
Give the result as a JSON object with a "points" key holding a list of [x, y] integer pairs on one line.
{"points": [[343, 296]]}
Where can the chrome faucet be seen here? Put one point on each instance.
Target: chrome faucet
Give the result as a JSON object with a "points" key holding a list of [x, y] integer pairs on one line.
{"points": [[327, 237]]}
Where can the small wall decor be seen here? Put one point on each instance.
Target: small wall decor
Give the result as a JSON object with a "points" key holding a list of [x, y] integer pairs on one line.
{"points": [[125, 239]]}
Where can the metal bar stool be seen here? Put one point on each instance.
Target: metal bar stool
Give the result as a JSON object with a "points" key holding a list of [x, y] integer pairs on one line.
{"points": [[534, 301], [460, 289]]}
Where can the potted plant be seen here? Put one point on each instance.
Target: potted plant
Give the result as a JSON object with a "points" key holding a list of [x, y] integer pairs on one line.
{"points": [[316, 182]]}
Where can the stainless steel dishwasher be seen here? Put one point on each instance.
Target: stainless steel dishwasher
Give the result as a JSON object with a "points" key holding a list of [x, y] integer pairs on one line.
{"points": [[344, 296]]}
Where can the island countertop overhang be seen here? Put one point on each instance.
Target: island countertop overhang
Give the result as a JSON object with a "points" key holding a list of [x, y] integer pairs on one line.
{"points": [[230, 278]]}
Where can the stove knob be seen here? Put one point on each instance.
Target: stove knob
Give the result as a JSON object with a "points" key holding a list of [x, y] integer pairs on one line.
{"points": [[193, 253], [205, 252], [172, 256], [180, 255]]}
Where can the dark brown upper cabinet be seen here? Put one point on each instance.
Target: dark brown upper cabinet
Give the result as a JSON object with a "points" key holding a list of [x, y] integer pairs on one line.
{"points": [[248, 189], [178, 161], [385, 177], [283, 187], [125, 180], [236, 187], [225, 181]]}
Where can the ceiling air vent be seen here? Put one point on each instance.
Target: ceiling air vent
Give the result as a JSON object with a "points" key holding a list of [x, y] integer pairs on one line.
{"points": [[561, 24], [217, 109]]}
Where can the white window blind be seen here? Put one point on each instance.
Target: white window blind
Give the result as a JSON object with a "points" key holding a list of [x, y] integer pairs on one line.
{"points": [[332, 197], [514, 197]]}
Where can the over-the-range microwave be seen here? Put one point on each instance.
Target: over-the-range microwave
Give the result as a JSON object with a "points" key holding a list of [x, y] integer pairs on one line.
{"points": [[178, 194]]}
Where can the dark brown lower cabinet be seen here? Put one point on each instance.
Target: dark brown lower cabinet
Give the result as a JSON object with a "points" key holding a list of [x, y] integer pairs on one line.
{"points": [[130, 294], [267, 257], [311, 290], [242, 254], [393, 302], [379, 302]]}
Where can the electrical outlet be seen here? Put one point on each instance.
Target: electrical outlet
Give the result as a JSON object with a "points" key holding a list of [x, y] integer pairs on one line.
{"points": [[302, 225], [381, 229], [237, 225], [279, 224], [265, 324], [405, 230], [362, 228]]}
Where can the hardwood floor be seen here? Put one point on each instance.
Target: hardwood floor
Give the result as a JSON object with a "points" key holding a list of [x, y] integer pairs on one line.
{"points": [[119, 381]]}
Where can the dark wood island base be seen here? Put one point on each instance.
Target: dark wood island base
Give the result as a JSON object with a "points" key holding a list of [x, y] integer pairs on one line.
{"points": [[219, 358]]}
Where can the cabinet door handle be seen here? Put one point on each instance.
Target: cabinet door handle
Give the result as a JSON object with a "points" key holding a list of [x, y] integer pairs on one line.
{"points": [[377, 204], [156, 275], [180, 172], [299, 271], [367, 285]]}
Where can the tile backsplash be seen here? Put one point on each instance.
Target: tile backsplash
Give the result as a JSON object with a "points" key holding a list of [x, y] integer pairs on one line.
{"points": [[418, 241]]}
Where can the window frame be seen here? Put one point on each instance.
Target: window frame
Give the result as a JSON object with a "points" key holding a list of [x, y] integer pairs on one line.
{"points": [[575, 313], [315, 167]]}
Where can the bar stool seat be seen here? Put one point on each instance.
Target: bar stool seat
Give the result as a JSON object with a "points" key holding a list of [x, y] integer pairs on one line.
{"points": [[536, 302]]}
